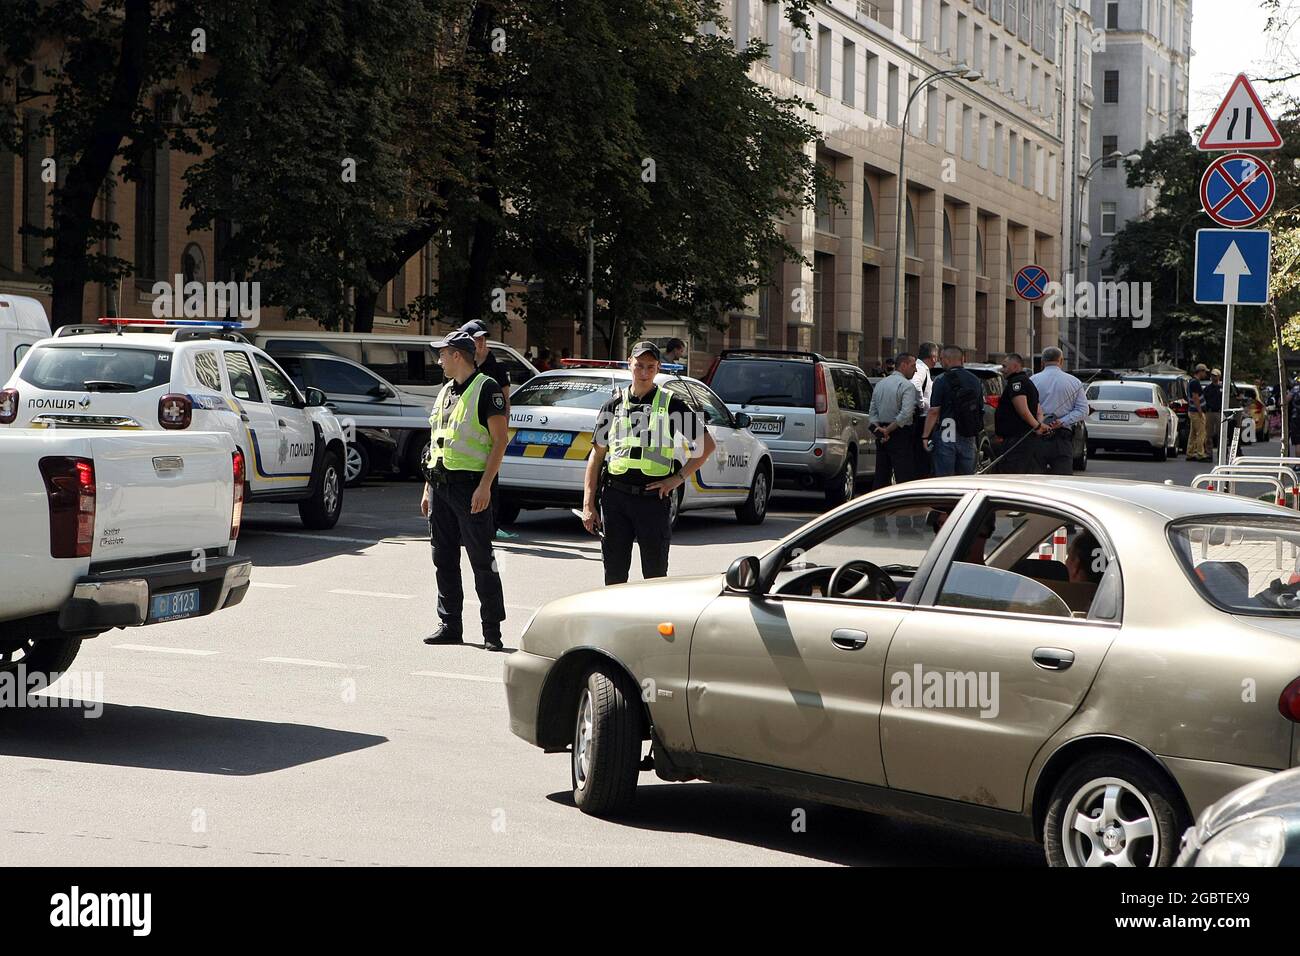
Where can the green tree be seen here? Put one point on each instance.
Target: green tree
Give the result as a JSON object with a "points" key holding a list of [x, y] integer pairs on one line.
{"points": [[109, 95]]}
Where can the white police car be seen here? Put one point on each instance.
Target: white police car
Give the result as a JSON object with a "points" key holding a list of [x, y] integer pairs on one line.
{"points": [[552, 418], [202, 378]]}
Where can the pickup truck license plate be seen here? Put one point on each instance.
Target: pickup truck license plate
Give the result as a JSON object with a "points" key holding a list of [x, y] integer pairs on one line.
{"points": [[173, 605], [1114, 416]]}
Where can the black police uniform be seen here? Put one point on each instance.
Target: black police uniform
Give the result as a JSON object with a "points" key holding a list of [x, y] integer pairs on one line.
{"points": [[452, 526], [1018, 451], [628, 511]]}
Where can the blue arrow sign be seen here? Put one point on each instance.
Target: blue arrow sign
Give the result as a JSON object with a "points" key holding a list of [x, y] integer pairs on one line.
{"points": [[1232, 266]]}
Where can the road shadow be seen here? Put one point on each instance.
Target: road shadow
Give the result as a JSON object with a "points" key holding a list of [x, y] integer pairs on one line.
{"points": [[830, 834], [154, 739]]}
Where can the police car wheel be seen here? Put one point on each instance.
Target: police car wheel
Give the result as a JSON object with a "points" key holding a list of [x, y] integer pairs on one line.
{"points": [[357, 466], [754, 510], [321, 511], [606, 757]]}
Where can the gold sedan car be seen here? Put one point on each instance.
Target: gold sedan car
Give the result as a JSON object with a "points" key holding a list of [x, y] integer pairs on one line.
{"points": [[1089, 663]]}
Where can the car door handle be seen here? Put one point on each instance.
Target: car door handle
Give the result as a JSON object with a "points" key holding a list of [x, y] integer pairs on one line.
{"points": [[847, 639], [280, 422], [243, 416], [1053, 658]]}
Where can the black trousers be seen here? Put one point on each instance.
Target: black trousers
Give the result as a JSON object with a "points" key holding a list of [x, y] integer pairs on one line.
{"points": [[1019, 455], [640, 518], [451, 528], [1056, 452], [896, 458]]}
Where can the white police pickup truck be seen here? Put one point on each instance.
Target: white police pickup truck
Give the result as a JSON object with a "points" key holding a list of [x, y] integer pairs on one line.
{"points": [[112, 529], [203, 378]]}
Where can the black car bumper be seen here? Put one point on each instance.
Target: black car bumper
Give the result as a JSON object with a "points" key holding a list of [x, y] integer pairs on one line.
{"points": [[122, 597]]}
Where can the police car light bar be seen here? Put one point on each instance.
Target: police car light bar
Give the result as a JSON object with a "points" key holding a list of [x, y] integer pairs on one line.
{"points": [[606, 363], [173, 323]]}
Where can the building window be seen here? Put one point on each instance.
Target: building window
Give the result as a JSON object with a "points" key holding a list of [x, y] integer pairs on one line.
{"points": [[1108, 219], [1011, 268], [947, 240], [995, 10], [871, 64], [822, 209], [868, 215], [892, 93], [1013, 16], [193, 266], [1109, 145], [146, 218], [824, 60], [1112, 15], [911, 229], [848, 92], [764, 321], [772, 35], [979, 252], [1110, 87], [740, 28]]}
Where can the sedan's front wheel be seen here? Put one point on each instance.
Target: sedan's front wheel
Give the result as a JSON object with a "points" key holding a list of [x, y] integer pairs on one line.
{"points": [[606, 745], [1112, 811]]}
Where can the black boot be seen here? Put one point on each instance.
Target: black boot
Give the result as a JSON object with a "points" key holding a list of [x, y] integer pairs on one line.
{"points": [[445, 634]]}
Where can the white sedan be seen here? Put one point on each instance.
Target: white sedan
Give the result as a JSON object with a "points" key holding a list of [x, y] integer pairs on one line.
{"points": [[1131, 416], [551, 422]]}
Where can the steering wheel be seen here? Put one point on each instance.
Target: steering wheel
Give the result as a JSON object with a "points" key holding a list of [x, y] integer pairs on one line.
{"points": [[875, 585]]}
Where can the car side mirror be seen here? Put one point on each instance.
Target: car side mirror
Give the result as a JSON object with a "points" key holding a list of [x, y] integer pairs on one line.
{"points": [[743, 420], [380, 391], [315, 396], [743, 574]]}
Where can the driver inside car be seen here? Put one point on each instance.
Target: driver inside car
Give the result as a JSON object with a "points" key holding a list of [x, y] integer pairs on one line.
{"points": [[974, 551]]}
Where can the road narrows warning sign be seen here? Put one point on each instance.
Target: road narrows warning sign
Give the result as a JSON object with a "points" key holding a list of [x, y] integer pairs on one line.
{"points": [[1240, 122]]}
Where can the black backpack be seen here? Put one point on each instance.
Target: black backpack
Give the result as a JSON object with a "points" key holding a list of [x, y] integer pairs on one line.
{"points": [[966, 405]]}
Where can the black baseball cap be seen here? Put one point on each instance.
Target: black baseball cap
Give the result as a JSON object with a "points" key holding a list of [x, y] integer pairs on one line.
{"points": [[456, 340], [475, 328], [641, 348]]}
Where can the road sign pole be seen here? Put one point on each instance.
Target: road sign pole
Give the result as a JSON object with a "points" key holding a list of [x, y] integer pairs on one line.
{"points": [[1228, 392]]}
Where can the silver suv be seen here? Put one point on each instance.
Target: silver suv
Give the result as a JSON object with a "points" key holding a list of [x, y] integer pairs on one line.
{"points": [[811, 411]]}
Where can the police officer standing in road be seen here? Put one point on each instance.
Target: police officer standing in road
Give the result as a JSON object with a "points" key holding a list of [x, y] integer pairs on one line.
{"points": [[1064, 406], [487, 364], [633, 460], [467, 442], [1015, 419]]}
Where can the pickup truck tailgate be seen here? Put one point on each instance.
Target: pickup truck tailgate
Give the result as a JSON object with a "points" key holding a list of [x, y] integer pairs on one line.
{"points": [[154, 493]]}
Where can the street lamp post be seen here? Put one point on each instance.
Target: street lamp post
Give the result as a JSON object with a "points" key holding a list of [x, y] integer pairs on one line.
{"points": [[1116, 156], [966, 73]]}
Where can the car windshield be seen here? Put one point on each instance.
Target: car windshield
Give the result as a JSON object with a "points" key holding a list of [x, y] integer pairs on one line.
{"points": [[90, 368], [787, 384], [1250, 566], [1121, 393], [565, 391]]}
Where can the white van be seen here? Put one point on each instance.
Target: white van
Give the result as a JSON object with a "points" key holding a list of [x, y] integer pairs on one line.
{"points": [[408, 361], [22, 322]]}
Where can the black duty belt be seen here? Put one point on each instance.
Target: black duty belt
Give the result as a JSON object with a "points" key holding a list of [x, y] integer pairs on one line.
{"points": [[631, 487], [454, 477]]}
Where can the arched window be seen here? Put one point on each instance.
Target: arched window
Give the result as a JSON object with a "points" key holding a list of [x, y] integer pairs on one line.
{"points": [[911, 229], [868, 215], [947, 240], [193, 264]]}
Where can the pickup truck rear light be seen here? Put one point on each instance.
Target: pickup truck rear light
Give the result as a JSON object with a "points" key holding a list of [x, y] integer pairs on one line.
{"points": [[237, 513], [819, 389], [8, 406], [1147, 413], [175, 411], [1288, 704], [70, 488], [992, 400]]}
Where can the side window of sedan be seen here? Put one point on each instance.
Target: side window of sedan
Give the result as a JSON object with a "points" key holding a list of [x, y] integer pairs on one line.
{"points": [[1027, 561], [876, 558]]}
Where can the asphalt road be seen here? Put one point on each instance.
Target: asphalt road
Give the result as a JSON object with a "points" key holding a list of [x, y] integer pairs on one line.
{"points": [[310, 724]]}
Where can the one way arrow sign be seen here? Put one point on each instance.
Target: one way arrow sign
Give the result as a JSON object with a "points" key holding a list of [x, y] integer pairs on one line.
{"points": [[1240, 122], [1232, 266]]}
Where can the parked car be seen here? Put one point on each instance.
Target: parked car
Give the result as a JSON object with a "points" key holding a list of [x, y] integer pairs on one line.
{"points": [[553, 417], [22, 323], [1255, 825], [1131, 416], [373, 451], [188, 378], [110, 529], [1091, 700], [360, 397], [812, 413], [1177, 396], [409, 362]]}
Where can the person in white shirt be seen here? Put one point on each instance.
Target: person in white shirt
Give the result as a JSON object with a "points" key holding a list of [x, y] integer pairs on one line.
{"points": [[927, 357]]}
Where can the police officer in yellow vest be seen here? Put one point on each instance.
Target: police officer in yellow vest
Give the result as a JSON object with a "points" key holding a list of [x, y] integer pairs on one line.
{"points": [[467, 442], [637, 435]]}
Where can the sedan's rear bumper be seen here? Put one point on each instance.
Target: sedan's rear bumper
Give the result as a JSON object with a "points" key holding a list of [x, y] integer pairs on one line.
{"points": [[120, 598], [524, 676], [1131, 434]]}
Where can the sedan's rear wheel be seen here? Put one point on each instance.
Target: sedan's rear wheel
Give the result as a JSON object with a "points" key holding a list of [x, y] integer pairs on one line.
{"points": [[606, 756], [1112, 811]]}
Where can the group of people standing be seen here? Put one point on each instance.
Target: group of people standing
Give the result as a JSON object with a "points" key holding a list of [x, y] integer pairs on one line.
{"points": [[929, 423], [1204, 406]]}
